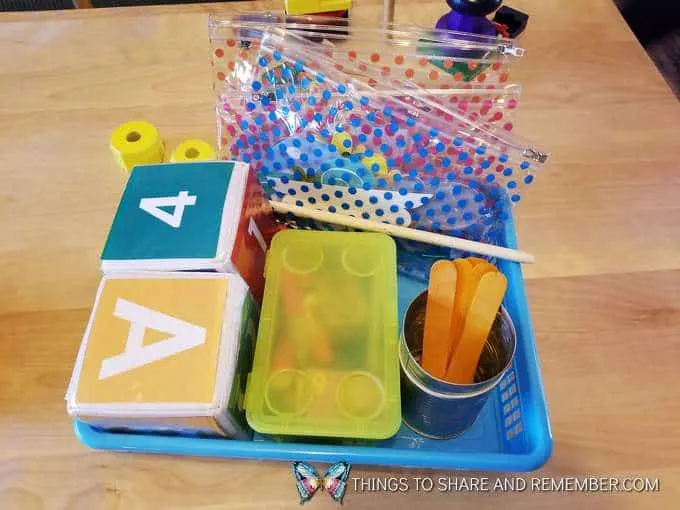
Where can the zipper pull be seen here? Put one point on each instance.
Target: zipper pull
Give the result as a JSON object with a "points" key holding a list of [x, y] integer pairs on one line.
{"points": [[535, 155], [505, 49]]}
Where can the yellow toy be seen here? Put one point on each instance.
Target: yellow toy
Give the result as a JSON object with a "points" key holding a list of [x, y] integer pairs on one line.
{"points": [[331, 7], [376, 164], [193, 150], [342, 142], [136, 143]]}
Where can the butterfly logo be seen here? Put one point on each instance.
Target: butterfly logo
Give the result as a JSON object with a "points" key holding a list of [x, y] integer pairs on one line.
{"points": [[308, 481]]}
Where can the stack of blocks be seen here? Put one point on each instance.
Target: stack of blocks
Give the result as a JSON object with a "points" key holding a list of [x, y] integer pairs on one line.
{"points": [[169, 343]]}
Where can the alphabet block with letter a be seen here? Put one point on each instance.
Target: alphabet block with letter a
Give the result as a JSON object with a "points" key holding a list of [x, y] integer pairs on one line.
{"points": [[203, 216], [166, 351]]}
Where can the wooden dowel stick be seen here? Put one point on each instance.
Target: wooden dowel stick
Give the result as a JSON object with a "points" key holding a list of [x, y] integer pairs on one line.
{"points": [[406, 233]]}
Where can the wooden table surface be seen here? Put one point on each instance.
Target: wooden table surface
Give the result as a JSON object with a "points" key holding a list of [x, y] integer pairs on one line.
{"points": [[604, 223]]}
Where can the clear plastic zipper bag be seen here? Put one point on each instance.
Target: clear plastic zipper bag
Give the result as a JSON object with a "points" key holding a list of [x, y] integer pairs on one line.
{"points": [[486, 102], [430, 58], [326, 143], [483, 102]]}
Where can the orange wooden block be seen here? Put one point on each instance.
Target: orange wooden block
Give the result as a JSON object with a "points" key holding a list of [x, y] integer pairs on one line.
{"points": [[441, 293], [478, 322]]}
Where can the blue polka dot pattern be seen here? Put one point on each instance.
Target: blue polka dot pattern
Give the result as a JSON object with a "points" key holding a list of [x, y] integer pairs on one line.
{"points": [[437, 179]]}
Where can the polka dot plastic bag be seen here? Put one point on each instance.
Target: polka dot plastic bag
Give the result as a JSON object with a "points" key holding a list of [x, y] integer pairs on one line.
{"points": [[426, 58], [320, 139], [319, 27], [486, 103]]}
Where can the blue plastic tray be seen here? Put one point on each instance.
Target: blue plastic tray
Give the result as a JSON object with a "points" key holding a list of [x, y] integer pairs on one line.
{"points": [[511, 434]]}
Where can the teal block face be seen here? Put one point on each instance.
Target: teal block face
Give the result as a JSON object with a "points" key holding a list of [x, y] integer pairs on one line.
{"points": [[171, 211]]}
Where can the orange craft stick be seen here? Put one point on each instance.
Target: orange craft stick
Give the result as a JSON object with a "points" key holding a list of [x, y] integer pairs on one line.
{"points": [[291, 294], [475, 260], [469, 274], [285, 355], [319, 340], [490, 267], [441, 292], [478, 323], [322, 348]]}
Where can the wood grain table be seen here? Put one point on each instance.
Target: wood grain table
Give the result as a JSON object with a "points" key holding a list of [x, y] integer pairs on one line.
{"points": [[604, 223]]}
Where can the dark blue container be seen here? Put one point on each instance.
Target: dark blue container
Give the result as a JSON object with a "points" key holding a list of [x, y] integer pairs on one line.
{"points": [[439, 409]]}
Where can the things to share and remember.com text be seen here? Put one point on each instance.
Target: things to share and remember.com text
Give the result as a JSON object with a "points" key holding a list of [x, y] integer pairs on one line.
{"points": [[507, 484]]}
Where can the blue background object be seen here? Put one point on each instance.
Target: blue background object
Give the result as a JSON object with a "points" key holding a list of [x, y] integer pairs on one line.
{"points": [[469, 16], [511, 434]]}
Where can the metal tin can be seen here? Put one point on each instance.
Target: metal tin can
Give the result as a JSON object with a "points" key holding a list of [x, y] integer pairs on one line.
{"points": [[439, 409]]}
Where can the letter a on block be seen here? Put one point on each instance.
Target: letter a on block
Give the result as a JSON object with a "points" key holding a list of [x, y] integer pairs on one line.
{"points": [[183, 336]]}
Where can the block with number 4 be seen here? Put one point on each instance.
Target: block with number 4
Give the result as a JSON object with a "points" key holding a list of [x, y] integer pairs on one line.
{"points": [[166, 352], [192, 216]]}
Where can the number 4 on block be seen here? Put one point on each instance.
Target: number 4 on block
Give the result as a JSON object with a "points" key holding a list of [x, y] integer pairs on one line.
{"points": [[178, 203], [204, 216]]}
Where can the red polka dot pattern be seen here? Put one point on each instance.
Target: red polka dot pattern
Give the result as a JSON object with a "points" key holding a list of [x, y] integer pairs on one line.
{"points": [[247, 130]]}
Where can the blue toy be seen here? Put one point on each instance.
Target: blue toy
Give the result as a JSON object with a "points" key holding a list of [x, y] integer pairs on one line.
{"points": [[469, 16]]}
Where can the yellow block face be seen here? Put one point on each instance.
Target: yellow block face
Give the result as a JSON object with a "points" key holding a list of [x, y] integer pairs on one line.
{"points": [[154, 340]]}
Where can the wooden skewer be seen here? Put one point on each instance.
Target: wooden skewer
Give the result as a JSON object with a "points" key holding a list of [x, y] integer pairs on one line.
{"points": [[406, 233]]}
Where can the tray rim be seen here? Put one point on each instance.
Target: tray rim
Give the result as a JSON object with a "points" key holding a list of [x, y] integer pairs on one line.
{"points": [[367, 455]]}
